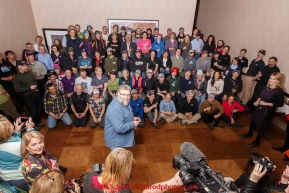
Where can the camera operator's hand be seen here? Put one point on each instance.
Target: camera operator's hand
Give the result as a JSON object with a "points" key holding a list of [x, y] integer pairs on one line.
{"points": [[17, 125], [285, 176], [257, 173], [76, 188], [29, 124]]}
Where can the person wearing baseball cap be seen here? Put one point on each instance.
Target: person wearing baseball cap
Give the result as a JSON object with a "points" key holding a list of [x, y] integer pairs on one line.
{"points": [[110, 62], [129, 46], [149, 83], [190, 62], [178, 61], [151, 109], [136, 104], [90, 32], [137, 83], [253, 73], [187, 82], [84, 62], [96, 106], [163, 87], [138, 62], [25, 84], [158, 45], [204, 64], [200, 88], [174, 89], [156, 33], [197, 45], [212, 111]]}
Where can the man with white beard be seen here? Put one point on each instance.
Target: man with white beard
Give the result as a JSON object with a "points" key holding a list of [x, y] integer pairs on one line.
{"points": [[120, 121]]}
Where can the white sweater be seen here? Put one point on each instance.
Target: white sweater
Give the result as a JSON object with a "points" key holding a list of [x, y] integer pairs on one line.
{"points": [[217, 88]]}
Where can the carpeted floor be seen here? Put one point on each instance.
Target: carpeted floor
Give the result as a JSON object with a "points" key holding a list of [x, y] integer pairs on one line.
{"points": [[79, 148]]}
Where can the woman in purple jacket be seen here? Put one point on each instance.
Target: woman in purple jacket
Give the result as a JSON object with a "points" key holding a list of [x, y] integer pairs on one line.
{"points": [[172, 44], [57, 56], [86, 44]]}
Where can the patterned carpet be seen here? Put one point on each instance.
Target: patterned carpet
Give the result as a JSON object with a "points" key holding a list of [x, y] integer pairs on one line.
{"points": [[79, 148]]}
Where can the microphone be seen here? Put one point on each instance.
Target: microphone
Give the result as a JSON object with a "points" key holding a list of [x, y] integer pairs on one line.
{"points": [[192, 153]]}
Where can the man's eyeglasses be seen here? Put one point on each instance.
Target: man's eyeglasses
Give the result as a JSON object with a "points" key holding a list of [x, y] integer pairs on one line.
{"points": [[127, 95]]}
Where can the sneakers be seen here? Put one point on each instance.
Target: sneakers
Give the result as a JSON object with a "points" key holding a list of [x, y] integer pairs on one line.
{"points": [[163, 121], [220, 125], [155, 125], [211, 125]]}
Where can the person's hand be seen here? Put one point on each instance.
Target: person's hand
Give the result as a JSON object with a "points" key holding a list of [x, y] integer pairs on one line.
{"points": [[10, 78], [95, 120], [256, 103], [167, 68], [179, 92], [136, 123], [227, 71], [155, 105], [103, 95], [216, 116], [17, 125], [2, 91], [82, 115], [76, 188], [234, 110], [232, 121], [136, 119], [172, 114], [33, 87], [37, 74], [225, 97], [200, 94], [29, 124], [257, 173], [262, 103], [99, 119], [209, 109], [7, 95], [285, 175]]}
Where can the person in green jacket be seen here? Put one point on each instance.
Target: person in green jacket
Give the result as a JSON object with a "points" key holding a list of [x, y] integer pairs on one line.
{"points": [[112, 86], [174, 87]]}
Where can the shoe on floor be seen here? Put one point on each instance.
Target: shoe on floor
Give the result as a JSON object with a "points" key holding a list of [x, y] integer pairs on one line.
{"points": [[281, 149], [228, 124], [211, 125], [254, 144], [40, 125], [238, 125], [163, 121], [37, 128], [155, 125], [246, 135], [220, 125]]}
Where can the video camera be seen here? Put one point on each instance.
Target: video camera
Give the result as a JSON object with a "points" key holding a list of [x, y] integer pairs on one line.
{"points": [[194, 170], [98, 168]]}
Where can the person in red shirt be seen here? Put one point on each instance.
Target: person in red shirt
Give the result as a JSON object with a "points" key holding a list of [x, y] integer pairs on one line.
{"points": [[232, 110]]}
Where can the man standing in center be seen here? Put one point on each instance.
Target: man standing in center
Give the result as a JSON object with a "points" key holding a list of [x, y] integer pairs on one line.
{"points": [[120, 121]]}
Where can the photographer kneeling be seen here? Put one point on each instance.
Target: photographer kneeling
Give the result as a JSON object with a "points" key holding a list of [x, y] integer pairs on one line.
{"points": [[115, 176]]}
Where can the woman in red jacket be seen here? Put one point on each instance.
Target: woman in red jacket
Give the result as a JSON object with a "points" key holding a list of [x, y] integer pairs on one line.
{"points": [[232, 110]]}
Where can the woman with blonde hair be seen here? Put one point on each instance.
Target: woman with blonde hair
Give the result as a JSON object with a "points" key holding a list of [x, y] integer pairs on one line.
{"points": [[271, 97], [115, 176], [36, 160], [10, 158], [38, 40], [51, 182], [125, 79]]}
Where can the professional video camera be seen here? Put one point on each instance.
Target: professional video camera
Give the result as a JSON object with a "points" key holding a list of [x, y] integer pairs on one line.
{"points": [[194, 170], [98, 168]]}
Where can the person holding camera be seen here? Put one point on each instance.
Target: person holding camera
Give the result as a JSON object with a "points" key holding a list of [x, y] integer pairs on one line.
{"points": [[119, 120], [36, 159], [114, 177], [52, 182], [263, 184], [10, 158]]}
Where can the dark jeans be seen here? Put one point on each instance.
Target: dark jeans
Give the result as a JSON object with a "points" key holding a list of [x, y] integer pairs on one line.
{"points": [[177, 98], [261, 131], [208, 118], [16, 99], [21, 184], [34, 106], [258, 89], [41, 87], [227, 119], [80, 122]]}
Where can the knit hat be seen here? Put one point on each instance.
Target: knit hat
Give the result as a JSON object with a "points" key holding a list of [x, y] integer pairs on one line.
{"points": [[95, 91], [137, 71], [200, 72], [133, 91], [149, 71], [212, 96], [70, 49], [56, 67], [161, 75]]}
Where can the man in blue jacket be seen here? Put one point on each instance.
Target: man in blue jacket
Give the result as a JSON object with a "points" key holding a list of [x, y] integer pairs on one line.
{"points": [[73, 42], [120, 121], [136, 104]]}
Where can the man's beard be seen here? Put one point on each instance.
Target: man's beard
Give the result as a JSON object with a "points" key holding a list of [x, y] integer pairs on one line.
{"points": [[123, 102]]}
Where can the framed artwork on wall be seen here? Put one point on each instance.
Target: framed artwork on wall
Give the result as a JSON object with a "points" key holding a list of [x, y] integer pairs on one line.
{"points": [[132, 24], [50, 34]]}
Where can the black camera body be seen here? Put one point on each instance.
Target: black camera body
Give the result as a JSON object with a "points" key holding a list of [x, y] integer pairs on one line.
{"points": [[266, 164], [69, 185], [98, 168], [198, 176]]}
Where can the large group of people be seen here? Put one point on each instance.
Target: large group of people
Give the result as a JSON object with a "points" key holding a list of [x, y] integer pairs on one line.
{"points": [[119, 81]]}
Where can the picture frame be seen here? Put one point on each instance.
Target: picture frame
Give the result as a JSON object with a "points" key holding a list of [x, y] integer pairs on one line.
{"points": [[132, 24], [50, 34]]}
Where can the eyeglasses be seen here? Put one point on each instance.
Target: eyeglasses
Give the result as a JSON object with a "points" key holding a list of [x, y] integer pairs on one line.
{"points": [[127, 95]]}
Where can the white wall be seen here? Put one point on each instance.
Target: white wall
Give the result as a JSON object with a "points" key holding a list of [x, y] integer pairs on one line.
{"points": [[60, 14]]}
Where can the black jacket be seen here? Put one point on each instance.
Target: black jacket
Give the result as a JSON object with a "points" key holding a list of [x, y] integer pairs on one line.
{"points": [[229, 84], [191, 107], [120, 64], [169, 63]]}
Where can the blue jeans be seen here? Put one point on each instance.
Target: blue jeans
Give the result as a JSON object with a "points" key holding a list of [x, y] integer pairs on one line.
{"points": [[80, 122], [197, 55], [200, 100], [21, 184], [119, 74], [165, 71], [51, 122]]}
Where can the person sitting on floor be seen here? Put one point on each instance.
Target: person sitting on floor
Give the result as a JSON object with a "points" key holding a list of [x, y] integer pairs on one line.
{"points": [[212, 111], [232, 110], [79, 106], [136, 104], [188, 112], [96, 105], [55, 105], [151, 109], [168, 109]]}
